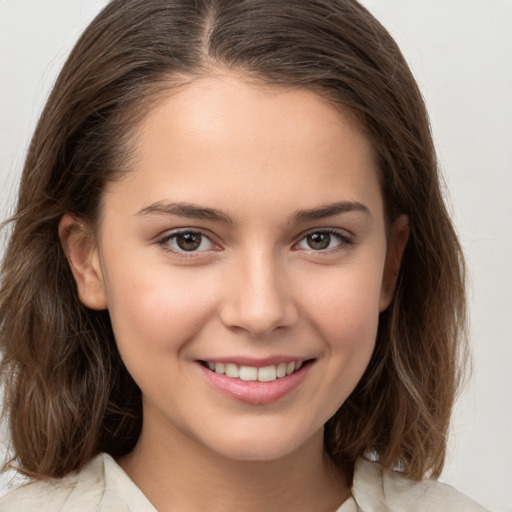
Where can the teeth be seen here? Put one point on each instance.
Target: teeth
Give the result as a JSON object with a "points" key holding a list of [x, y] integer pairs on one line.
{"points": [[281, 370], [248, 373], [232, 371], [267, 374], [251, 373]]}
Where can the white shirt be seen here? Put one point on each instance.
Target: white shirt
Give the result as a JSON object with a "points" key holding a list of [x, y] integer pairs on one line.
{"points": [[102, 486]]}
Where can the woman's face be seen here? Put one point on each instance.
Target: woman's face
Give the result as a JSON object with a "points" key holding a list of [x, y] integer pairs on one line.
{"points": [[243, 263]]}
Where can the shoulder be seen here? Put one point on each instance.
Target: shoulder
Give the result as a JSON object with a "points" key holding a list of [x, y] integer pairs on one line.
{"points": [[375, 487], [100, 485], [83, 487], [77, 491]]}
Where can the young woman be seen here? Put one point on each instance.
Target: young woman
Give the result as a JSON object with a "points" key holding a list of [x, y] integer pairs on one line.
{"points": [[232, 282]]}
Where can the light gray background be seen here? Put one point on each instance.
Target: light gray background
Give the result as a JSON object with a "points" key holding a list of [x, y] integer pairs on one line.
{"points": [[461, 54]]}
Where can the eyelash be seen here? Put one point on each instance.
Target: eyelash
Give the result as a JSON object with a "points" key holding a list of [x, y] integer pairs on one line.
{"points": [[181, 253], [345, 241]]}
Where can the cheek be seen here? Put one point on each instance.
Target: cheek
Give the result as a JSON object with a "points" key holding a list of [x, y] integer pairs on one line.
{"points": [[346, 302], [345, 311], [156, 310]]}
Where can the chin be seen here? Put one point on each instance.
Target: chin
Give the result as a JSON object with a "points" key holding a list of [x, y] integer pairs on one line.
{"points": [[258, 454], [260, 448]]}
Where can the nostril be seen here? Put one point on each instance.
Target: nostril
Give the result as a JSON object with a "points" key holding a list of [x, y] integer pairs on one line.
{"points": [[259, 319]]}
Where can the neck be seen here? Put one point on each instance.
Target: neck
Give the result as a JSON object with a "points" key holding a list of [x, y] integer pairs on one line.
{"points": [[176, 473]]}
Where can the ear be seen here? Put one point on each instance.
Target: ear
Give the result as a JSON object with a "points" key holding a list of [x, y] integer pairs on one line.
{"points": [[81, 251], [398, 236]]}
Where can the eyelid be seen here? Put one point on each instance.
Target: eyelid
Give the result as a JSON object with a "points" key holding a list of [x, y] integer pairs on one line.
{"points": [[347, 238], [163, 241]]}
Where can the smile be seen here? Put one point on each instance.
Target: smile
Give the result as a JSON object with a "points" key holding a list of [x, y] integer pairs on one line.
{"points": [[258, 385], [252, 373]]}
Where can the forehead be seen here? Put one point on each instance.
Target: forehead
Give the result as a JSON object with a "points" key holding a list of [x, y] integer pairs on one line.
{"points": [[217, 136], [212, 107]]}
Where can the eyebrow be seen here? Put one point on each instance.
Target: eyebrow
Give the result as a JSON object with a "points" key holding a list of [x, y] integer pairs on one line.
{"points": [[192, 211], [188, 210], [330, 210]]}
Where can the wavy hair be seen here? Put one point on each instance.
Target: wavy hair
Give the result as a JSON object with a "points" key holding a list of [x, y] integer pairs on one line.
{"points": [[68, 395]]}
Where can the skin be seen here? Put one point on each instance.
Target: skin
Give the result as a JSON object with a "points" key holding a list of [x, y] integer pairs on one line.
{"points": [[254, 288]]}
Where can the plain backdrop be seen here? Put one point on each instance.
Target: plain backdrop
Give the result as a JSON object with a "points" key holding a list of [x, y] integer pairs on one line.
{"points": [[461, 54]]}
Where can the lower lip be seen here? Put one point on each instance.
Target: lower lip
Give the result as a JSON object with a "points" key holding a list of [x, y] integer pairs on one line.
{"points": [[255, 392]]}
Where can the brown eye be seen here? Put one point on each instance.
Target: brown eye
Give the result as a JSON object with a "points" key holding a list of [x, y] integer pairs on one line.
{"points": [[184, 241], [326, 240], [318, 241], [189, 241]]}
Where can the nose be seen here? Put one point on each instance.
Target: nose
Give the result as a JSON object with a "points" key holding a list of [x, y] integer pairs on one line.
{"points": [[257, 299]]}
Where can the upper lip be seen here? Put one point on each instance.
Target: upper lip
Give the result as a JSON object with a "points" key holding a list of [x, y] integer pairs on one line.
{"points": [[255, 362]]}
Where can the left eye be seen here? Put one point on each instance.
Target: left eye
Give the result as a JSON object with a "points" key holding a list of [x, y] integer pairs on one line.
{"points": [[322, 240], [187, 241]]}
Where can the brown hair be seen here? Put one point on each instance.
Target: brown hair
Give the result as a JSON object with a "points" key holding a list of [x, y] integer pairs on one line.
{"points": [[67, 392]]}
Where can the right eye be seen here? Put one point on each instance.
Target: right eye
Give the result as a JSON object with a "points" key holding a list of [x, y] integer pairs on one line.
{"points": [[186, 241]]}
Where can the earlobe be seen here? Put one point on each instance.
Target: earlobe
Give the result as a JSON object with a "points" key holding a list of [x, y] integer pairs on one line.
{"points": [[81, 251], [399, 234]]}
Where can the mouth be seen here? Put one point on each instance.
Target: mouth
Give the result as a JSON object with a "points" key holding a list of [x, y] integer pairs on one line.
{"points": [[257, 385], [267, 373]]}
